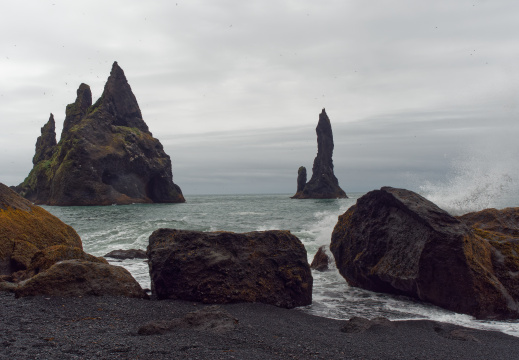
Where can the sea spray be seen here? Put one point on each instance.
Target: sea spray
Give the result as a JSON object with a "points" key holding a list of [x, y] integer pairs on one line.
{"points": [[481, 177]]}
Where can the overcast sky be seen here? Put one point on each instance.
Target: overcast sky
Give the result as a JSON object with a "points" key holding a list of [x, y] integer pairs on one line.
{"points": [[233, 89]]}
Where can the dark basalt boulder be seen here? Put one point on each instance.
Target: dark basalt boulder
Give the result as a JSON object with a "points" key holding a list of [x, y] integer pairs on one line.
{"points": [[395, 241], [223, 267], [106, 154], [323, 184], [321, 260], [81, 278], [127, 254]]}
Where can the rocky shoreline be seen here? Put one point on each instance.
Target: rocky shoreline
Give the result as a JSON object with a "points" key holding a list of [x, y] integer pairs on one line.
{"points": [[107, 328], [62, 303]]}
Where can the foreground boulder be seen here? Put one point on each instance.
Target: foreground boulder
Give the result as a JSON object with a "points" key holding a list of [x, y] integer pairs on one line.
{"points": [[323, 184], [223, 267], [26, 229], [40, 255], [395, 241], [106, 154], [81, 278]]}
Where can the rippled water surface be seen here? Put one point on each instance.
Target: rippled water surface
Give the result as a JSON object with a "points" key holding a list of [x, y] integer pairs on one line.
{"points": [[107, 228]]}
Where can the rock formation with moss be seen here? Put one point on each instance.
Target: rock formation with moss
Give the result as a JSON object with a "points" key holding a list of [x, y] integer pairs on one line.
{"points": [[395, 241], [26, 229], [41, 255], [323, 184], [106, 154]]}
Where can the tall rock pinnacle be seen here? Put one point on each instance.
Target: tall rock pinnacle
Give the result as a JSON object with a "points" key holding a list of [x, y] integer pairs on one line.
{"points": [[119, 101], [106, 154], [45, 143], [77, 110], [301, 179], [323, 184]]}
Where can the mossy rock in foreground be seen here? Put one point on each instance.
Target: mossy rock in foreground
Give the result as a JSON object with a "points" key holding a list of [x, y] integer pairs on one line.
{"points": [[25, 229], [82, 278]]}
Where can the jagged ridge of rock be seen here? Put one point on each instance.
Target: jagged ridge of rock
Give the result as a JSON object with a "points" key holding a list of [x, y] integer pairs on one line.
{"points": [[396, 241], [323, 184], [106, 154]]}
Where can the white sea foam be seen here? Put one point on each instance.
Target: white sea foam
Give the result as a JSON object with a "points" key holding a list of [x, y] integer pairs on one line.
{"points": [[137, 267], [480, 178]]}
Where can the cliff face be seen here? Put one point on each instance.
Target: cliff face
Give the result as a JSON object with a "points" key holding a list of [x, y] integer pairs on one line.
{"points": [[323, 184], [106, 154]]}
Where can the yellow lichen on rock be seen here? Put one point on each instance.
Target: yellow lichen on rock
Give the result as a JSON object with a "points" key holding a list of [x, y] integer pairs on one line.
{"points": [[25, 229]]}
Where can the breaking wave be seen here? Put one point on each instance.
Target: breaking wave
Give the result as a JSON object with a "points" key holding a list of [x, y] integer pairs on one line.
{"points": [[480, 178]]}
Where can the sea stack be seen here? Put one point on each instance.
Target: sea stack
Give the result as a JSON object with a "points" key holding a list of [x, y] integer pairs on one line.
{"points": [[106, 154], [323, 184]]}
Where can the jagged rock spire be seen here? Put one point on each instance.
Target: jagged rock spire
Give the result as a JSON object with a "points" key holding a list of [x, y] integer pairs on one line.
{"points": [[323, 184], [301, 178], [77, 110], [119, 101], [45, 144], [106, 155]]}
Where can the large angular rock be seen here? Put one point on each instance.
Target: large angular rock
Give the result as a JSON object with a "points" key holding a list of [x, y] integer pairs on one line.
{"points": [[26, 229], [223, 267], [106, 154], [395, 241], [81, 278], [323, 184]]}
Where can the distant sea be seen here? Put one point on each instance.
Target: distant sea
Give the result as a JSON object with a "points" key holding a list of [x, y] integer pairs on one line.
{"points": [[107, 228]]}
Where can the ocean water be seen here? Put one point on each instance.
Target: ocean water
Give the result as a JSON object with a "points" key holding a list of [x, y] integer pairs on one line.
{"points": [[107, 228]]}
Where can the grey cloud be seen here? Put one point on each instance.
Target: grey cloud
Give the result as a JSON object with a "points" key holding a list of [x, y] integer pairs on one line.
{"points": [[233, 89]]}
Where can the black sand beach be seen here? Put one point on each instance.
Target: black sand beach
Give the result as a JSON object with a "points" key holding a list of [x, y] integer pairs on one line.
{"points": [[107, 328]]}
